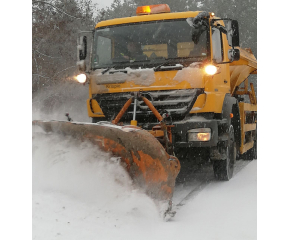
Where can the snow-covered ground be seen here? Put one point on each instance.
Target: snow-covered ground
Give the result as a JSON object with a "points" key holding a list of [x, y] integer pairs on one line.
{"points": [[80, 193]]}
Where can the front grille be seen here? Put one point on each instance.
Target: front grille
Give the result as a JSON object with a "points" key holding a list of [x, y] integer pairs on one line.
{"points": [[177, 102]]}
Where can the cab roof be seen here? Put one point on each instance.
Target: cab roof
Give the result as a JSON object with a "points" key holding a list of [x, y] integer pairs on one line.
{"points": [[147, 18]]}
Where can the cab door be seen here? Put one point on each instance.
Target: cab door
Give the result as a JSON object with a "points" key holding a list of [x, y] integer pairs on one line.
{"points": [[221, 81]]}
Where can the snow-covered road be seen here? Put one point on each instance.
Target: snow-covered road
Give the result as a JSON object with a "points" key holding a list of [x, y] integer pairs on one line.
{"points": [[76, 197]]}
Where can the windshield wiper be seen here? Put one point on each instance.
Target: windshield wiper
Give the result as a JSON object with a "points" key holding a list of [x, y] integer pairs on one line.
{"points": [[184, 57], [169, 60], [107, 69], [144, 60]]}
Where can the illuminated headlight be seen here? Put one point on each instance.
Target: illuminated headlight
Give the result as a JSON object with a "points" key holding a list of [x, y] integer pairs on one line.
{"points": [[199, 135], [211, 69], [81, 78]]}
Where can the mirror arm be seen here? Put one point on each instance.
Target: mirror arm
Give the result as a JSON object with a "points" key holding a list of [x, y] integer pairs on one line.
{"points": [[221, 28], [218, 19]]}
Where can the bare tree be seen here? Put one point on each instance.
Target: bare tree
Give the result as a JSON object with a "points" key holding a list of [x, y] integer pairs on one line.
{"points": [[55, 24]]}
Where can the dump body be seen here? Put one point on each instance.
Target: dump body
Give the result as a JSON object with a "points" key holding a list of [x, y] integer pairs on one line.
{"points": [[240, 70]]}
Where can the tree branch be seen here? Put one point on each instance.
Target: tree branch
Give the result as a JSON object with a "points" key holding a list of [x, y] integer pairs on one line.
{"points": [[64, 70], [40, 75], [34, 2], [45, 55]]}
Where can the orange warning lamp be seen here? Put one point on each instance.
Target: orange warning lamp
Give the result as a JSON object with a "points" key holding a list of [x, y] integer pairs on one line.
{"points": [[152, 9]]}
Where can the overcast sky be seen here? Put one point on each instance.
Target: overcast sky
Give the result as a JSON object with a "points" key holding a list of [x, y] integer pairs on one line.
{"points": [[103, 3]]}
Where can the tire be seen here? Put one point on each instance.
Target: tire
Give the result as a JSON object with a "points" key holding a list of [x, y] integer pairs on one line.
{"points": [[223, 169], [238, 155]]}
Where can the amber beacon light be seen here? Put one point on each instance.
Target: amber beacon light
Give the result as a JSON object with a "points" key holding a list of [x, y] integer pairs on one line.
{"points": [[152, 9]]}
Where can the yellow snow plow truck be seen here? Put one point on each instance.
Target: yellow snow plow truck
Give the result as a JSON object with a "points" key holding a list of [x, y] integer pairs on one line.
{"points": [[166, 86]]}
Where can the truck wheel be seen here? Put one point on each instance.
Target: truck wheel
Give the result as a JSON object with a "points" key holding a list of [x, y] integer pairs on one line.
{"points": [[223, 169], [238, 155]]}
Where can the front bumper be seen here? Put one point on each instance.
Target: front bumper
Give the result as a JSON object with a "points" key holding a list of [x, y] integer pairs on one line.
{"points": [[180, 135]]}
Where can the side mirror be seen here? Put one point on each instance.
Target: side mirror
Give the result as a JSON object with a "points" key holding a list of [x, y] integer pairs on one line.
{"points": [[233, 33], [234, 54], [82, 53], [83, 49]]}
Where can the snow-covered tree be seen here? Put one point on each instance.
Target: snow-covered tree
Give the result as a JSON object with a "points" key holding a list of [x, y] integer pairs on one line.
{"points": [[55, 25]]}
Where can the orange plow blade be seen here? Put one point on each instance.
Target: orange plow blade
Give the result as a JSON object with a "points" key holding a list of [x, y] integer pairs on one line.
{"points": [[146, 161]]}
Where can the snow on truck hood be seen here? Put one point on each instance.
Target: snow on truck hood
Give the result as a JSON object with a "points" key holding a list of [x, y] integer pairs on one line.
{"points": [[192, 74], [146, 76]]}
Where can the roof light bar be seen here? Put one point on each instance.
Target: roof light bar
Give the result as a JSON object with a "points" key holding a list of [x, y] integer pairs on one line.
{"points": [[152, 9]]}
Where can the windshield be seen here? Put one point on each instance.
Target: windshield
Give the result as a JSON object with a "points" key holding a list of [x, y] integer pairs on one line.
{"points": [[147, 43]]}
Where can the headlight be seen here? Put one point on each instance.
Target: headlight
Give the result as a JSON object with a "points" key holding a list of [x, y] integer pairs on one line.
{"points": [[199, 135], [211, 69], [81, 78]]}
